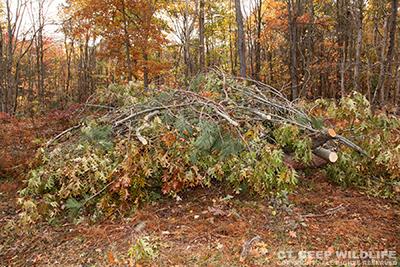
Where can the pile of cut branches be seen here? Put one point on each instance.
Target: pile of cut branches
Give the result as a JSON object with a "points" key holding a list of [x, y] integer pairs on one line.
{"points": [[244, 104], [236, 130]]}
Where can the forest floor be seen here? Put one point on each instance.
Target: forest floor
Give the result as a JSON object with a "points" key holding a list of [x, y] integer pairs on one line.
{"points": [[214, 227]]}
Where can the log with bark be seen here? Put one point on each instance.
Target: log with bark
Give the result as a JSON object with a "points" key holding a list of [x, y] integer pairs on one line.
{"points": [[322, 156]]}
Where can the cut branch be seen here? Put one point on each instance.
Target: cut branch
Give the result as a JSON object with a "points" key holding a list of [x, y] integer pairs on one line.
{"points": [[326, 154], [61, 134], [226, 117], [149, 110], [321, 137], [350, 144], [322, 157]]}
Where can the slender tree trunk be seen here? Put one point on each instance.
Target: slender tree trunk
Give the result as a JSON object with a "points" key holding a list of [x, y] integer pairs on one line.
{"points": [[68, 52], [40, 66], [127, 43], [390, 52], [201, 35], [189, 27], [257, 49], [145, 71], [241, 41], [382, 75], [342, 73], [309, 52], [358, 49], [231, 52], [292, 15], [231, 45], [369, 97], [2, 73], [397, 88], [10, 50], [343, 33]]}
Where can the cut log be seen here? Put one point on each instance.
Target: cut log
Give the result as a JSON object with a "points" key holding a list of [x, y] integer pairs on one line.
{"points": [[139, 135], [321, 137], [326, 154], [317, 139], [322, 157]]}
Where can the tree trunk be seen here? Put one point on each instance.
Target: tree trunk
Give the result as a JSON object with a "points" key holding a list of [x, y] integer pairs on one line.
{"points": [[241, 41], [390, 52], [201, 36], [342, 73], [127, 43], [382, 75], [188, 30], [309, 52], [359, 45], [321, 137], [397, 88], [322, 156], [2, 73], [257, 48], [145, 71], [292, 16], [40, 65], [343, 33]]}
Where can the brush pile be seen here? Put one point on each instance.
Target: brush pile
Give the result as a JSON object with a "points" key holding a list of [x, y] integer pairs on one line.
{"points": [[168, 138]]}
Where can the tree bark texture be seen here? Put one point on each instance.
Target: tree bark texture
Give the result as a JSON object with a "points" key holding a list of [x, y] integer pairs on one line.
{"points": [[292, 16], [241, 40], [359, 45], [201, 36]]}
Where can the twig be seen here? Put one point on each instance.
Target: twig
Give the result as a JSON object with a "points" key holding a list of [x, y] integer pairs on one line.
{"points": [[93, 196], [139, 135], [350, 144], [328, 212], [28, 260], [14, 167], [225, 116], [223, 87], [61, 134], [145, 125], [247, 246], [395, 186], [100, 106], [149, 110]]}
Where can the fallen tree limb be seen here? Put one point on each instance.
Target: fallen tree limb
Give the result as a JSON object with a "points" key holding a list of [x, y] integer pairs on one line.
{"points": [[226, 117], [130, 117], [351, 145], [61, 134], [144, 126], [328, 212], [139, 135]]}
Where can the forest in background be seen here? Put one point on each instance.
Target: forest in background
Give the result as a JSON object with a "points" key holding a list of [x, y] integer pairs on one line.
{"points": [[306, 48]]}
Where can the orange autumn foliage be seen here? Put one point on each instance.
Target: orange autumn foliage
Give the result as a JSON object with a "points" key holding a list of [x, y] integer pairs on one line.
{"points": [[122, 24]]}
